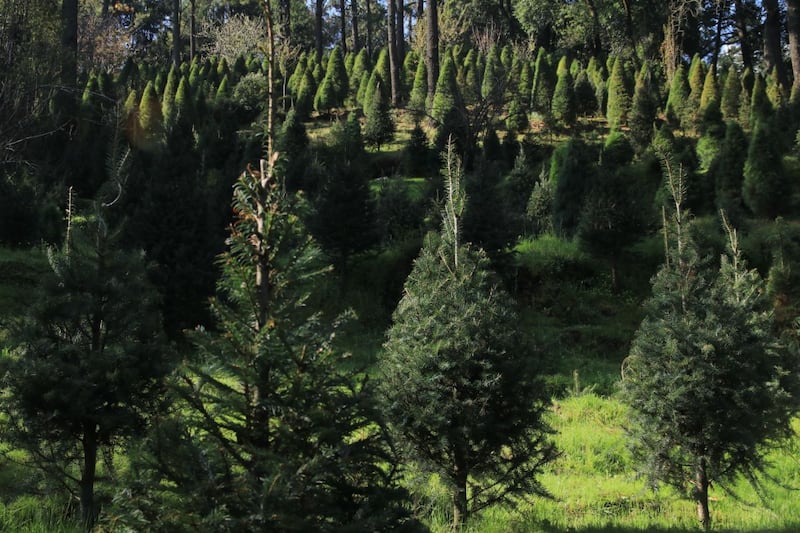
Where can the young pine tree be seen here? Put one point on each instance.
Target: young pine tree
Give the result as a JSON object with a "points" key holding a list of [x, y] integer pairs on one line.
{"points": [[729, 103], [678, 99], [563, 105], [619, 100], [643, 110], [766, 188], [419, 91], [379, 127], [709, 385], [454, 371]]}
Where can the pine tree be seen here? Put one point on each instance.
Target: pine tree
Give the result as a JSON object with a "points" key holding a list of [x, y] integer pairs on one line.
{"points": [[447, 95], [709, 99], [542, 91], [572, 170], [696, 78], [492, 86], [745, 98], [585, 96], [727, 170], [305, 96], [89, 359], [563, 106], [168, 96], [619, 100], [766, 188], [292, 145], [379, 127], [454, 370], [360, 66], [730, 95], [678, 100], [333, 89], [419, 92], [706, 379], [760, 107], [150, 119], [643, 110]]}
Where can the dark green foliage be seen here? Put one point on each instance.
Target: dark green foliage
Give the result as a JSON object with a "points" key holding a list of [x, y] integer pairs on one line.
{"points": [[563, 105], [709, 114], [379, 127], [294, 81], [516, 188], [168, 96], [525, 84], [766, 188], [454, 371], [729, 103], [619, 99], [571, 168], [292, 145], [696, 79], [517, 119], [539, 210], [710, 387], [417, 154], [613, 214], [643, 110], [760, 106], [585, 97], [398, 215], [88, 359], [295, 443], [491, 145], [745, 98], [678, 100], [727, 171], [342, 220], [360, 66]]}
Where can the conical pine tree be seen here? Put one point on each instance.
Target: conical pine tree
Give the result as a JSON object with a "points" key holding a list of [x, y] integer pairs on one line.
{"points": [[729, 104], [619, 100], [563, 106]]}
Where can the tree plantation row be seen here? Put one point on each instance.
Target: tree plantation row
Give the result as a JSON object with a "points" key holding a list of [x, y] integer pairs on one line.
{"points": [[270, 278]]}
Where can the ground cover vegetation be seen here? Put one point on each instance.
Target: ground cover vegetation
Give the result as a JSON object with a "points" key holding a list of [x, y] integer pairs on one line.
{"points": [[373, 265]]}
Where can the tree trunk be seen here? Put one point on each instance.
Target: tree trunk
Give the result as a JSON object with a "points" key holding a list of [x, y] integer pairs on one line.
{"points": [[597, 44], [343, 21], [626, 6], [286, 18], [69, 43], [701, 494], [368, 6], [722, 8], [354, 25], [318, 12], [744, 34], [192, 30], [399, 31], [772, 41], [793, 27], [176, 33], [420, 8], [104, 10], [432, 48], [460, 475], [88, 511], [394, 66]]}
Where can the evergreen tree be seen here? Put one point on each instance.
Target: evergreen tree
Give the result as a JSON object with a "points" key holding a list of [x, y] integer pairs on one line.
{"points": [[766, 188], [88, 358], [708, 383], [151, 121], [709, 100], [542, 91], [727, 170], [305, 96], [360, 66], [517, 119], [294, 442], [419, 92], [619, 100], [678, 100], [455, 369], [447, 97], [643, 110], [730, 95], [585, 97], [572, 171], [696, 78], [333, 89], [563, 106], [492, 87], [379, 127], [760, 106], [292, 145], [168, 96], [745, 98], [525, 85]]}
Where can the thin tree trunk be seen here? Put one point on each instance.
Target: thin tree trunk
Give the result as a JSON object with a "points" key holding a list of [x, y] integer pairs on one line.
{"points": [[286, 18], [88, 511], [420, 9], [597, 44], [192, 30], [772, 41], [626, 6], [354, 25], [744, 34], [701, 494], [394, 66], [69, 43], [319, 8], [368, 6], [176, 33], [399, 29], [432, 48], [460, 475], [343, 21], [793, 27], [722, 8]]}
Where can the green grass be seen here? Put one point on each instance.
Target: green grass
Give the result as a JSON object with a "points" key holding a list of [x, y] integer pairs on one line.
{"points": [[595, 488]]}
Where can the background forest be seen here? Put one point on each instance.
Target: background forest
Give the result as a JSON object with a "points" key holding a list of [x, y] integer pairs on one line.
{"points": [[480, 265]]}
